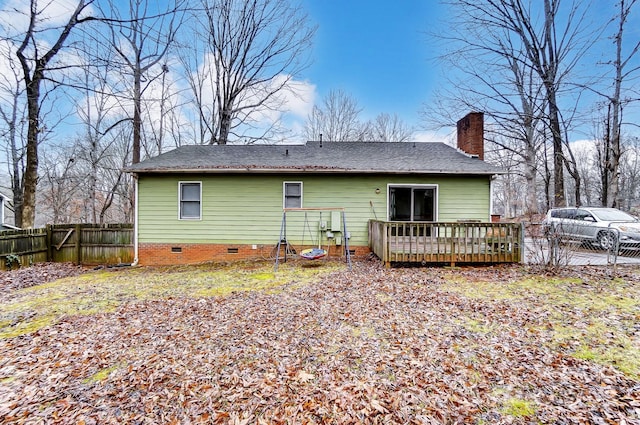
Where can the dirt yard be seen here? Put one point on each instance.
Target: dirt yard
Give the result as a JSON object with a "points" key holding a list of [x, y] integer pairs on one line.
{"points": [[238, 344]]}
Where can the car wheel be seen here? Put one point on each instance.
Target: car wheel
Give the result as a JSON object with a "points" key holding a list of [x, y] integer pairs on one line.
{"points": [[607, 240]]}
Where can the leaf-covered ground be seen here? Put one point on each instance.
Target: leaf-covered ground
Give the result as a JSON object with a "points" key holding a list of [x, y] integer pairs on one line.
{"points": [[36, 274], [323, 345]]}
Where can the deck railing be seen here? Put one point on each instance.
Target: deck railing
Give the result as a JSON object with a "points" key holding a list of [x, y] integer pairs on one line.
{"points": [[446, 243]]}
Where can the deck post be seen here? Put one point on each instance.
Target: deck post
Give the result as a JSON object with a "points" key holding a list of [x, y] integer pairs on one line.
{"points": [[522, 245], [386, 252]]}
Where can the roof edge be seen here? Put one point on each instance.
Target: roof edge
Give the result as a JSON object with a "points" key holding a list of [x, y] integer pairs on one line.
{"points": [[303, 170]]}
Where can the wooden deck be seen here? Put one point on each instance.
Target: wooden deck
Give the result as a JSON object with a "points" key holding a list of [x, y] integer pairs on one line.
{"points": [[446, 243]]}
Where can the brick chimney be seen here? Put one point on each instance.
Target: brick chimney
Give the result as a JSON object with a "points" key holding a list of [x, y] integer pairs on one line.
{"points": [[471, 134]]}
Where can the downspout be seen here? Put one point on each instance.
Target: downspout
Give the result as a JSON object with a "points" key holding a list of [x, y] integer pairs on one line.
{"points": [[491, 189], [135, 222]]}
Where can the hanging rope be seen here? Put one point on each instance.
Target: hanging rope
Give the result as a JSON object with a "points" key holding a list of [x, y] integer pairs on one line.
{"points": [[306, 227], [312, 253]]}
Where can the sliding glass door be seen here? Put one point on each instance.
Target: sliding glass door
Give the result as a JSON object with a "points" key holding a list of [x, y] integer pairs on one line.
{"points": [[412, 203]]}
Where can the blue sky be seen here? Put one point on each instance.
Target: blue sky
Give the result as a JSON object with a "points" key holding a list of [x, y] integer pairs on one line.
{"points": [[377, 51]]}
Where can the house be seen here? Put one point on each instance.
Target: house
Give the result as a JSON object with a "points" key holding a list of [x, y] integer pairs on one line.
{"points": [[218, 202], [5, 202]]}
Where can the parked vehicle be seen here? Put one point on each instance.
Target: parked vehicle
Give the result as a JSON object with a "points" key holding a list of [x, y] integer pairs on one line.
{"points": [[606, 227]]}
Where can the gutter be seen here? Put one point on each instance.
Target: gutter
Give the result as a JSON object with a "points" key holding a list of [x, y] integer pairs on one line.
{"points": [[246, 170]]}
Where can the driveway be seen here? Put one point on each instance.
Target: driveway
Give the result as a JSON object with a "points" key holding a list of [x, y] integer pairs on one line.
{"points": [[537, 251]]}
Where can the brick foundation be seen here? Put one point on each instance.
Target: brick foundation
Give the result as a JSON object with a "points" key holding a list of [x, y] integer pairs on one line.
{"points": [[163, 254]]}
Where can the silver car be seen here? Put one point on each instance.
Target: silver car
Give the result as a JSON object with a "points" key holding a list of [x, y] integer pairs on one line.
{"points": [[606, 227]]}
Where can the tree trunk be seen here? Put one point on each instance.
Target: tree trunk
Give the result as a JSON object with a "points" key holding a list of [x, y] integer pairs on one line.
{"points": [[225, 125], [605, 166], [530, 173], [558, 157], [137, 119], [93, 179], [31, 170], [616, 118], [16, 180], [37, 66], [549, 76]]}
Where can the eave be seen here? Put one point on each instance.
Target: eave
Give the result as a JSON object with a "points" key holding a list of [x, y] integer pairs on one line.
{"points": [[312, 170]]}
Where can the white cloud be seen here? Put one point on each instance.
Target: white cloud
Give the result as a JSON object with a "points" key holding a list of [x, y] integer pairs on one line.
{"points": [[583, 145], [299, 100], [15, 14], [288, 109]]}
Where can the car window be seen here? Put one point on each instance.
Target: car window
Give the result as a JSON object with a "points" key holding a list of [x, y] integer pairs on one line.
{"points": [[563, 213], [583, 215], [612, 214]]}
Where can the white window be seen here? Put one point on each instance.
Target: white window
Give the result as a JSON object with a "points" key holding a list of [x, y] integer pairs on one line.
{"points": [[412, 203], [190, 200], [292, 192]]}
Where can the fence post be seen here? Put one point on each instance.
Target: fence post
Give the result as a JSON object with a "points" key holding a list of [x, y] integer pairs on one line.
{"points": [[78, 244], [49, 242], [522, 251]]}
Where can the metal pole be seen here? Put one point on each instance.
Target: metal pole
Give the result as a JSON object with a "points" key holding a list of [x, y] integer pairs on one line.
{"points": [[283, 235], [346, 239]]}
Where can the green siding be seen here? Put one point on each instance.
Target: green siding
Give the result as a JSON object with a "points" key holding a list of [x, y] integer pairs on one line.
{"points": [[247, 209]]}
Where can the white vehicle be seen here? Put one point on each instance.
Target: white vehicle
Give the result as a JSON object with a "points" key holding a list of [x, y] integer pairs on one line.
{"points": [[606, 227]]}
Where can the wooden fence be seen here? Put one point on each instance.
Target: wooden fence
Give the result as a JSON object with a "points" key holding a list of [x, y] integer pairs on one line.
{"points": [[86, 244]]}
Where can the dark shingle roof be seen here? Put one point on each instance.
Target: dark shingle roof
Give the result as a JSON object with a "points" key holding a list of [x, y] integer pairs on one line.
{"points": [[331, 157]]}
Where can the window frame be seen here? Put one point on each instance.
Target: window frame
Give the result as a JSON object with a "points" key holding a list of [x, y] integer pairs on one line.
{"points": [[180, 200], [284, 193], [412, 186]]}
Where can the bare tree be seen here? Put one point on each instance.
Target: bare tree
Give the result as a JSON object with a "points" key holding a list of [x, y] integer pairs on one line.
{"points": [[142, 39], [494, 78], [12, 114], [201, 80], [585, 165], [99, 115], [337, 119], [116, 188], [624, 70], [59, 190], [630, 174], [37, 64], [389, 128], [509, 197], [255, 49], [544, 51]]}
